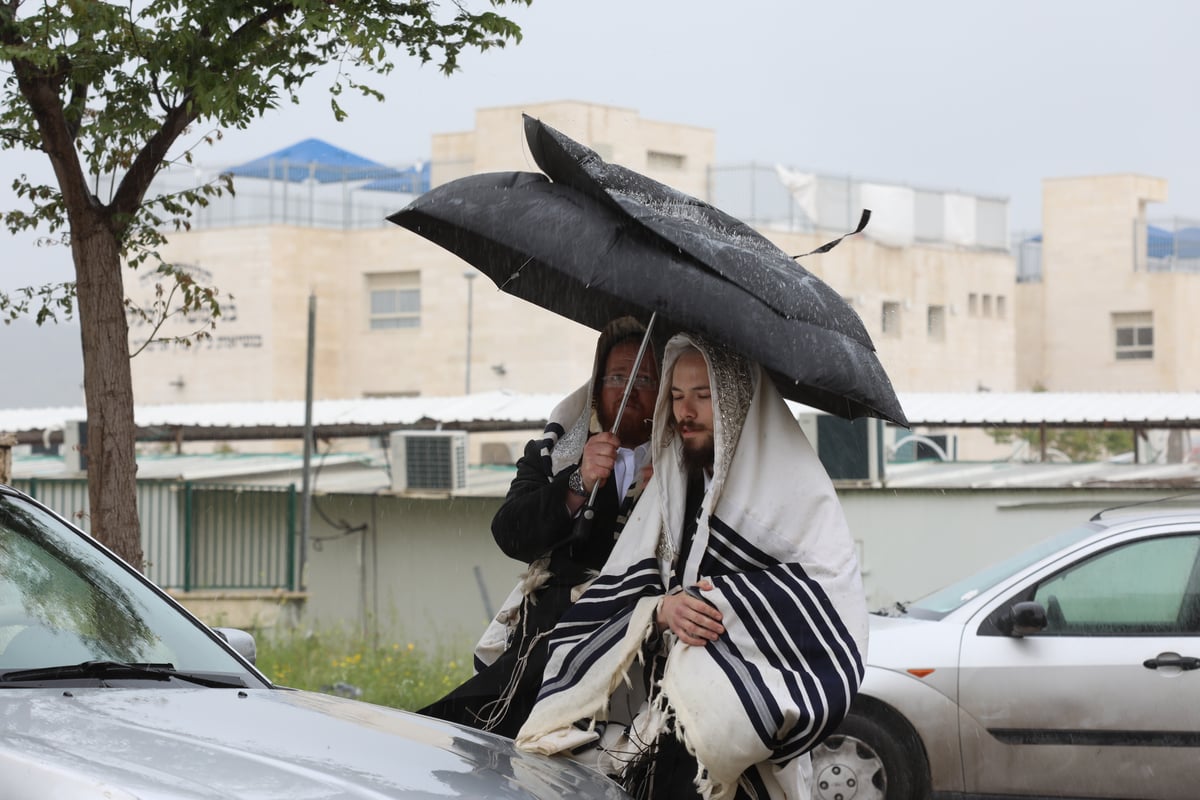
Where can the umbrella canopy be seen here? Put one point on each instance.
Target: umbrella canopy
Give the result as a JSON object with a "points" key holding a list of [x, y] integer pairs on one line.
{"points": [[316, 159], [592, 241]]}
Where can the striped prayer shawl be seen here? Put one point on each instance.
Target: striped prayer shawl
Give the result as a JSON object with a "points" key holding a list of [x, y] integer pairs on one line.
{"points": [[773, 541]]}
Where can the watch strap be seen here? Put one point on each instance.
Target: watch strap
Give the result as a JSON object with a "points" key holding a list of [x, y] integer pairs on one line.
{"points": [[575, 483]]}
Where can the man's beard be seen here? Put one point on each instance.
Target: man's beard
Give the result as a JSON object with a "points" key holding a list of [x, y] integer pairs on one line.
{"points": [[698, 456]]}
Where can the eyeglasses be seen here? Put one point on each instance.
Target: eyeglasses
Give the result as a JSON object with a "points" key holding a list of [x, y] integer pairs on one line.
{"points": [[640, 382]]}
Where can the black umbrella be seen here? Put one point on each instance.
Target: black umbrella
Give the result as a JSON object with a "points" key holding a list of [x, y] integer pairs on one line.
{"points": [[593, 241]]}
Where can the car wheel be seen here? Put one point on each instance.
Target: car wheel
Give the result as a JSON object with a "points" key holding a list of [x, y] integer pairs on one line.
{"points": [[868, 759]]}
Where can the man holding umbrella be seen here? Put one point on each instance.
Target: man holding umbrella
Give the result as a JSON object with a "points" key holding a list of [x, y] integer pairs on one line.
{"points": [[735, 582], [543, 522]]}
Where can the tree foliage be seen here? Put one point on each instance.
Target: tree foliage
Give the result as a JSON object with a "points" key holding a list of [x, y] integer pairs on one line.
{"points": [[108, 92]]}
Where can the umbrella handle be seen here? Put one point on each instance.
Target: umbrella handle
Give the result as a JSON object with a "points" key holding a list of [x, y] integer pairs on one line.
{"points": [[589, 509]]}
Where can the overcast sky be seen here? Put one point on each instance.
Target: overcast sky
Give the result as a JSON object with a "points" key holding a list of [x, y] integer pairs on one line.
{"points": [[987, 97]]}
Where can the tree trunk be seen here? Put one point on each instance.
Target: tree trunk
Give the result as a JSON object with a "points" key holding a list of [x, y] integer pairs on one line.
{"points": [[108, 387]]}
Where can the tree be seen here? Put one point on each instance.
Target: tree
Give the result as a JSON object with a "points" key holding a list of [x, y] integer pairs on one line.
{"points": [[106, 91], [1077, 444]]}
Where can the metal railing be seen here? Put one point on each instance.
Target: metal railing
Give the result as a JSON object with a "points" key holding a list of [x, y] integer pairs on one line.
{"points": [[198, 536], [761, 195], [781, 198], [1171, 245]]}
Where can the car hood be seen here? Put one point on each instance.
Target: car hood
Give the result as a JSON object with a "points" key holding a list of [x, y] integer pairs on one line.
{"points": [[262, 744], [900, 642], [920, 649]]}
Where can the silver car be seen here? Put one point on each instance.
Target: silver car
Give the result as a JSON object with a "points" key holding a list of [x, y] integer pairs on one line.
{"points": [[1069, 670], [109, 689]]}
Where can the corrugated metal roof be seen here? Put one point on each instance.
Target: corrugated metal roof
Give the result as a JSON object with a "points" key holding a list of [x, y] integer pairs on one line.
{"points": [[343, 473], [1057, 409], [527, 410], [1013, 475]]}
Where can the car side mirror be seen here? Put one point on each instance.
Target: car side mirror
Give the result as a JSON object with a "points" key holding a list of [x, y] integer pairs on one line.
{"points": [[1023, 619], [243, 643]]}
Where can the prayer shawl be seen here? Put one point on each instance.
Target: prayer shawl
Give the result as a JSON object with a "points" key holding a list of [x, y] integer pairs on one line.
{"points": [[774, 542]]}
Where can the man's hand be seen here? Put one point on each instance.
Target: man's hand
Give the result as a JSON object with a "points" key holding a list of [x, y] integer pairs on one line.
{"points": [[694, 621], [599, 459]]}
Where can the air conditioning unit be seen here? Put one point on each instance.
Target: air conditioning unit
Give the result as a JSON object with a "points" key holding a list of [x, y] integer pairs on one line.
{"points": [[850, 450], [75, 442], [428, 461]]}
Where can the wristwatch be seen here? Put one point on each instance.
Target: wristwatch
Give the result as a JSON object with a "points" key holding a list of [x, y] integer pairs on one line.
{"points": [[575, 484]]}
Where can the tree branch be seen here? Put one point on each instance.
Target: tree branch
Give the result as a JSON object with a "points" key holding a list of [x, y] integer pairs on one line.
{"points": [[40, 89], [73, 112], [145, 165]]}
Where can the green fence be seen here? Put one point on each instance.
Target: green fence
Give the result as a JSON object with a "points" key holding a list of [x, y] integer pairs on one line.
{"points": [[198, 536]]}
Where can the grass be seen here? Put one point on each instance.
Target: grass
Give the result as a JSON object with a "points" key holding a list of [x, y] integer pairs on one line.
{"points": [[397, 674]]}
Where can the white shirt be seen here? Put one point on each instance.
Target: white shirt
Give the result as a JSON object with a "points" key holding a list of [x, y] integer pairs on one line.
{"points": [[629, 462]]}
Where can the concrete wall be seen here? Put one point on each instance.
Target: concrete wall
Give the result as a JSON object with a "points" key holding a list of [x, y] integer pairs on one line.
{"points": [[426, 570]]}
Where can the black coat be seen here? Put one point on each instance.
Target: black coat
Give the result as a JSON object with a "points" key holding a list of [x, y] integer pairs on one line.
{"points": [[533, 521]]}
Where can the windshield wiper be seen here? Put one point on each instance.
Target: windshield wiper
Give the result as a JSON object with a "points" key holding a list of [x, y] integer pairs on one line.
{"points": [[117, 670], [897, 609]]}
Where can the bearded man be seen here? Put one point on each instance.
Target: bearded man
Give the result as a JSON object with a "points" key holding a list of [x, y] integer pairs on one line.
{"points": [[735, 583]]}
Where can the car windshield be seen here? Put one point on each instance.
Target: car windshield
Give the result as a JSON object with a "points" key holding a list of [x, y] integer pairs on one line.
{"points": [[943, 601], [64, 602]]}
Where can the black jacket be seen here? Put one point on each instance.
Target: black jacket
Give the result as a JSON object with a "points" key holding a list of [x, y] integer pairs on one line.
{"points": [[533, 521]]}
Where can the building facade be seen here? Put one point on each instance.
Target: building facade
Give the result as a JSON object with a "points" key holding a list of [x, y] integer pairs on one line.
{"points": [[1108, 301], [397, 316]]}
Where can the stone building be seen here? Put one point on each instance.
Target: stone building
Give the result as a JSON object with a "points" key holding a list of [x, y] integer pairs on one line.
{"points": [[1108, 301]]}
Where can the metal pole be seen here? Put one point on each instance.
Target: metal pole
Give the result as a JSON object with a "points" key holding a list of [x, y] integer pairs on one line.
{"points": [[306, 490], [470, 275]]}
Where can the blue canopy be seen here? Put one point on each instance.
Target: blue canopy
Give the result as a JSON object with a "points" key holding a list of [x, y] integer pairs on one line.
{"points": [[414, 180], [316, 159]]}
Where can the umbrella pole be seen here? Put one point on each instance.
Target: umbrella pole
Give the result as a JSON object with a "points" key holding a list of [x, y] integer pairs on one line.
{"points": [[589, 510]]}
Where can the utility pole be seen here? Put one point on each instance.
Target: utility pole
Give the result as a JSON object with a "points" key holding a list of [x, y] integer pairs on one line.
{"points": [[470, 275]]}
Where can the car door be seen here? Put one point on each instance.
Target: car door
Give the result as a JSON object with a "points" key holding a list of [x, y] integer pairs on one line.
{"points": [[1102, 702]]}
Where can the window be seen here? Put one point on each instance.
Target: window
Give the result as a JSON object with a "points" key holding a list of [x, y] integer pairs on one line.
{"points": [[656, 159], [1135, 589], [1001, 306], [987, 305], [395, 300], [1134, 334], [936, 323], [890, 321], [973, 305]]}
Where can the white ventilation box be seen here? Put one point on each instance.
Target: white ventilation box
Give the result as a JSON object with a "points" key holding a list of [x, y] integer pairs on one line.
{"points": [[428, 461]]}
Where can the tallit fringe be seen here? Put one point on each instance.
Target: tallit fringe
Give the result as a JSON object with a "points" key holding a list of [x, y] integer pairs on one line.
{"points": [[708, 787], [533, 579], [494, 712]]}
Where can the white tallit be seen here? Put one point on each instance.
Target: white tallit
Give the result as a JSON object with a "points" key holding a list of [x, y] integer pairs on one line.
{"points": [[774, 542]]}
